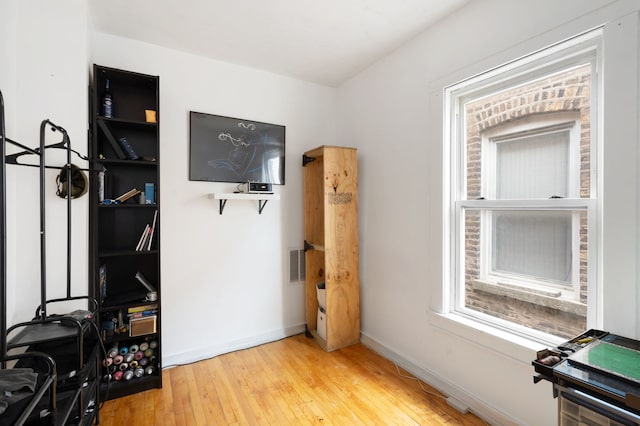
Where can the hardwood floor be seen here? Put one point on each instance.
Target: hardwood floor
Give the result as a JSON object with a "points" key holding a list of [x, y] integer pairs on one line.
{"points": [[288, 382]]}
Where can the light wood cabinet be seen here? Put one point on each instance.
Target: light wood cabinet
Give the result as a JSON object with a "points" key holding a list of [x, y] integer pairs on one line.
{"points": [[331, 244]]}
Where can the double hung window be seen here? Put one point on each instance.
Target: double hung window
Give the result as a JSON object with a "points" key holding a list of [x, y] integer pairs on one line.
{"points": [[523, 204]]}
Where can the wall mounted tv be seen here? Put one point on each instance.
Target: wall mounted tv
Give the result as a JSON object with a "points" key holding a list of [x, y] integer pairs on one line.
{"points": [[226, 149]]}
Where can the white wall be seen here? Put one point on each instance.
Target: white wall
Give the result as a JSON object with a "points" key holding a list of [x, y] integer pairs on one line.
{"points": [[224, 277], [43, 77], [393, 113]]}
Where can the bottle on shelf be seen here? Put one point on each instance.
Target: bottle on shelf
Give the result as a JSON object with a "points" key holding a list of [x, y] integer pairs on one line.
{"points": [[107, 102]]}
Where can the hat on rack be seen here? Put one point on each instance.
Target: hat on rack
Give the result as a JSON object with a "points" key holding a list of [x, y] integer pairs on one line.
{"points": [[79, 182]]}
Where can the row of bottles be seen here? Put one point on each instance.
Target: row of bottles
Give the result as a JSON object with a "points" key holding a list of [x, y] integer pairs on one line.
{"points": [[125, 362]]}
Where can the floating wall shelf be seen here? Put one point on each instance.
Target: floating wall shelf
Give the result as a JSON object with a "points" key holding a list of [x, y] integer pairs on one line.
{"points": [[262, 198]]}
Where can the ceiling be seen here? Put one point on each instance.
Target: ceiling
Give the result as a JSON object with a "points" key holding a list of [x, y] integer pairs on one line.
{"points": [[322, 41]]}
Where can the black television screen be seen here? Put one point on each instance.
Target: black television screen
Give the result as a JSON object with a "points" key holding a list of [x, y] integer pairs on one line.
{"points": [[226, 149]]}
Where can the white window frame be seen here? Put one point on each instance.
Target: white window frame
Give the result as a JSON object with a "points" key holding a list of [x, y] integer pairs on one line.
{"points": [[556, 57], [554, 122]]}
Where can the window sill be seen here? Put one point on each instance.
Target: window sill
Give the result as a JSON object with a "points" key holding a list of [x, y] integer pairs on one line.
{"points": [[537, 298], [505, 343]]}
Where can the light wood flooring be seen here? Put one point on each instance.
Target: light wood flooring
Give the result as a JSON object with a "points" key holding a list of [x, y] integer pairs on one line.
{"points": [[288, 382]]}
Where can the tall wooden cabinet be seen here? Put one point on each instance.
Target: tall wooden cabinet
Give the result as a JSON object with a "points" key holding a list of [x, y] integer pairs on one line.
{"points": [[125, 232], [331, 245]]}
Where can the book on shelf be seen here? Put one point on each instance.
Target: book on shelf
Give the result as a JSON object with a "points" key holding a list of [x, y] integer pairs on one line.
{"points": [[143, 314], [153, 229], [146, 238], [143, 238], [102, 282], [142, 308], [127, 195], [128, 149]]}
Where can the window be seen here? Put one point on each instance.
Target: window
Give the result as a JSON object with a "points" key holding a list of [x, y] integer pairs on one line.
{"points": [[523, 202], [538, 159]]}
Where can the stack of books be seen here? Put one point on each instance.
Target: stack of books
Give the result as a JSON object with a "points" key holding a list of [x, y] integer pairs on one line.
{"points": [[142, 311]]}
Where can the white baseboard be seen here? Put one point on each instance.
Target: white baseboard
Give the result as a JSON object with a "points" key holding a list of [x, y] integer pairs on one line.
{"points": [[460, 399], [206, 352]]}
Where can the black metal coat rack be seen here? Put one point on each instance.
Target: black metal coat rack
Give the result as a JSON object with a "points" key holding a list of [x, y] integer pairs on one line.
{"points": [[41, 315]]}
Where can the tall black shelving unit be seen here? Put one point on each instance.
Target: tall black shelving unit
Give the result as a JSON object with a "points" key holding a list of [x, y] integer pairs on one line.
{"points": [[128, 313]]}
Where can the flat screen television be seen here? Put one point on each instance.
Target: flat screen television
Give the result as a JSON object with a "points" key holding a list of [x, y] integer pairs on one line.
{"points": [[226, 149]]}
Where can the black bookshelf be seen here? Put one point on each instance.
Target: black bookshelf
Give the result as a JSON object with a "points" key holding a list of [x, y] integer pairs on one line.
{"points": [[116, 228]]}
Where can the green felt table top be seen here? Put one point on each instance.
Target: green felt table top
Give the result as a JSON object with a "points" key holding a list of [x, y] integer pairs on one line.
{"points": [[612, 358]]}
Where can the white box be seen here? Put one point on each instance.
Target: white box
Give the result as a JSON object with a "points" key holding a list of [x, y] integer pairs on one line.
{"points": [[322, 295], [322, 324]]}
